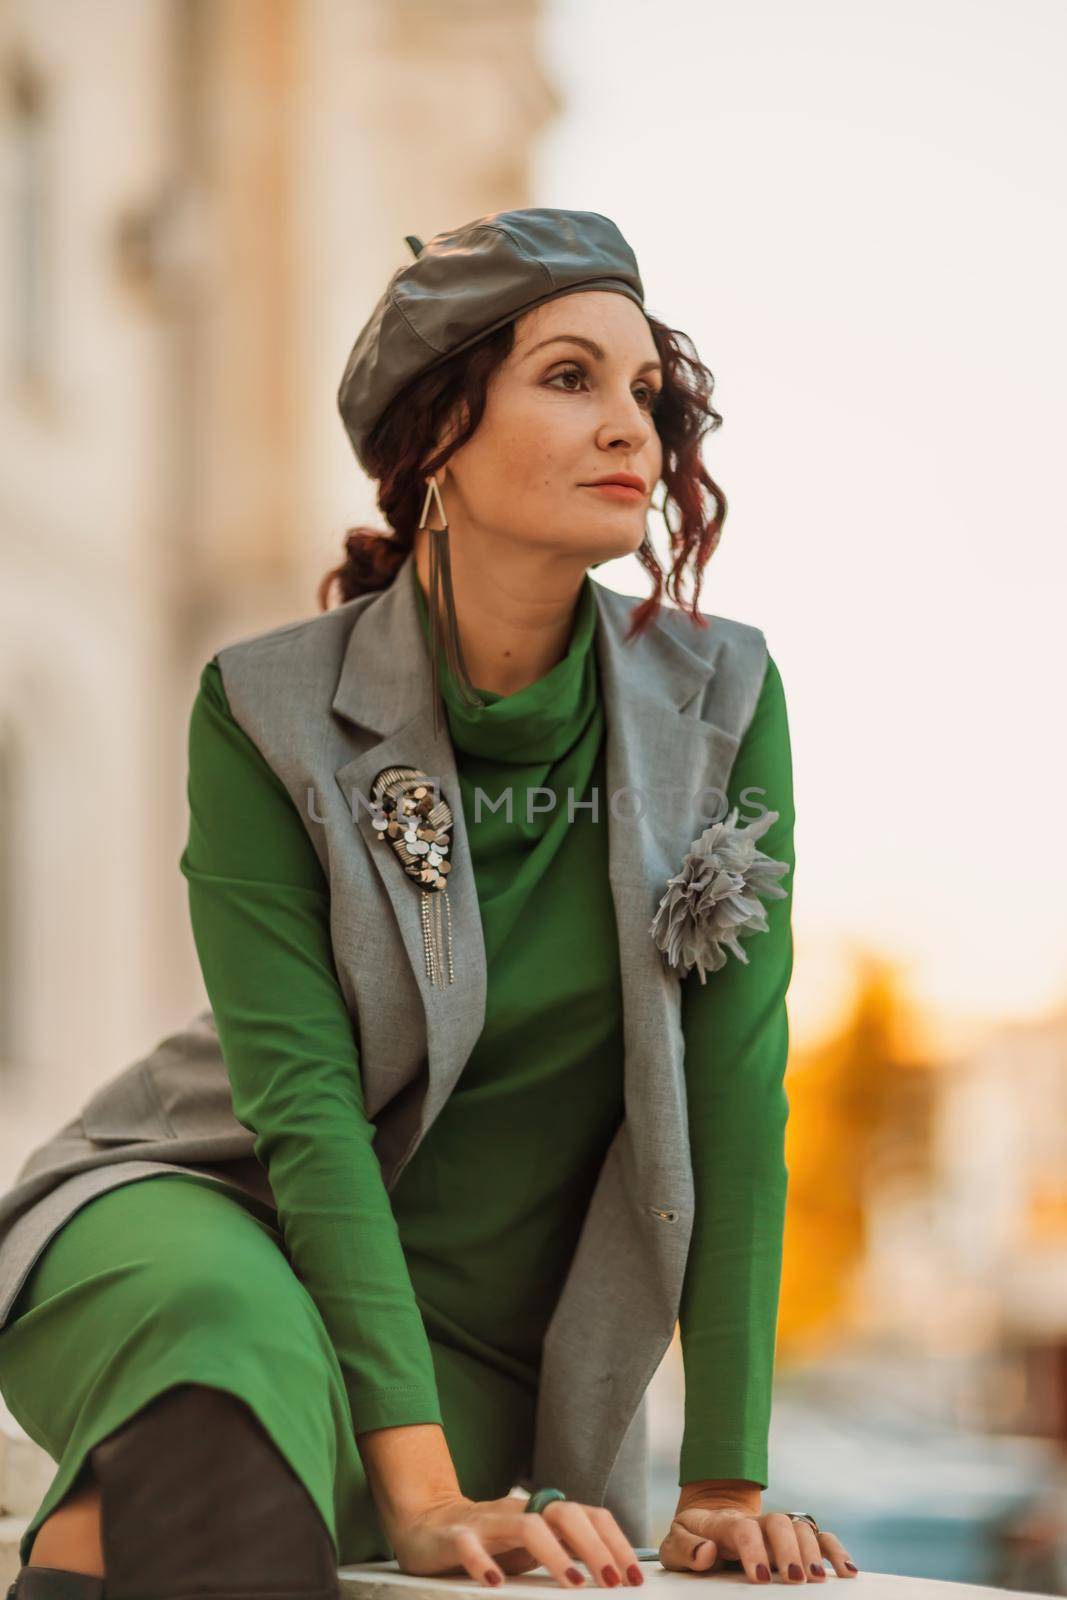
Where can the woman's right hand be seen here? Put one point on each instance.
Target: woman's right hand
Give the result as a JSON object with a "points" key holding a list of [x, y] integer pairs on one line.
{"points": [[489, 1538]]}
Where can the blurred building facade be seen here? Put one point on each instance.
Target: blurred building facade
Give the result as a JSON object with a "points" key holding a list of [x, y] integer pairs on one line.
{"points": [[201, 202]]}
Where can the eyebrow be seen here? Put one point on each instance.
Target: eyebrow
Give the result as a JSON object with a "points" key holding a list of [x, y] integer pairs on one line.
{"points": [[590, 345]]}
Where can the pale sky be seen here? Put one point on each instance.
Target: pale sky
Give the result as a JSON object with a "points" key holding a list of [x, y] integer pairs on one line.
{"points": [[859, 214]]}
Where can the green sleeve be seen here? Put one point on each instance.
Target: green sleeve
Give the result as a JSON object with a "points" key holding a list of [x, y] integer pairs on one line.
{"points": [[736, 1044], [259, 905]]}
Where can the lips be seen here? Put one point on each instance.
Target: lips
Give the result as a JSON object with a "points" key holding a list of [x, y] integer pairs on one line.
{"points": [[622, 492], [622, 480]]}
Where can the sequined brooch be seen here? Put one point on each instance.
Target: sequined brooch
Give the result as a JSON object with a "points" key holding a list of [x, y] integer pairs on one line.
{"points": [[712, 903], [416, 820]]}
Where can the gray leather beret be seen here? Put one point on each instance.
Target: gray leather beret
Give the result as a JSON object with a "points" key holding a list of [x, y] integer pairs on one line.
{"points": [[466, 283]]}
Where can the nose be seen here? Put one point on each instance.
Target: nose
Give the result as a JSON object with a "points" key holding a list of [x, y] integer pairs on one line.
{"points": [[625, 425]]}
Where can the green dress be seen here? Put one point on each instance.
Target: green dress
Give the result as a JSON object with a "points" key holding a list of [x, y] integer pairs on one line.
{"points": [[352, 1308]]}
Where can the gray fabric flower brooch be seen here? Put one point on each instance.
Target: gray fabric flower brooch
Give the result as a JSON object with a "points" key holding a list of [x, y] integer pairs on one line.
{"points": [[711, 904]]}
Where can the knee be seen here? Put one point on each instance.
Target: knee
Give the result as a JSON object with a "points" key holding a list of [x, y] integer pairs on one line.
{"points": [[229, 1301], [202, 1289]]}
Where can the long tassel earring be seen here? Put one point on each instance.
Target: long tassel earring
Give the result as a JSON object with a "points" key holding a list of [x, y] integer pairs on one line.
{"points": [[443, 611]]}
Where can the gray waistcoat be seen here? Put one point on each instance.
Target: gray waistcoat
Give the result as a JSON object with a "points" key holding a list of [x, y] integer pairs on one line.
{"points": [[329, 702]]}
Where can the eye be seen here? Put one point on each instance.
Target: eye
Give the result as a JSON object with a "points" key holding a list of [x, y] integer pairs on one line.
{"points": [[576, 370]]}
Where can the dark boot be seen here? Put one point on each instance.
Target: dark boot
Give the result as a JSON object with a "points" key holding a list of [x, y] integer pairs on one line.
{"points": [[196, 1500], [53, 1583]]}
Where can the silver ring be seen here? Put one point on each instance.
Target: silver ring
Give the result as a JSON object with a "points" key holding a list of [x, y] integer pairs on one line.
{"points": [[804, 1516]]}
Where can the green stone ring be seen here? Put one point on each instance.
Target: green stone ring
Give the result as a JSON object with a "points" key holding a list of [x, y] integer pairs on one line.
{"points": [[543, 1497]]}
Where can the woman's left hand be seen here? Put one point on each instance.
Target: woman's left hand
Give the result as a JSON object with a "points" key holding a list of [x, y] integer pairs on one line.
{"points": [[709, 1530]]}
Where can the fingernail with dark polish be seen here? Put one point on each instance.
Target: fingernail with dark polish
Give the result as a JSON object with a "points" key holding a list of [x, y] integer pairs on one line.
{"points": [[610, 1576], [634, 1573], [794, 1571], [762, 1574], [574, 1576], [494, 1577], [820, 1572], [850, 1567]]}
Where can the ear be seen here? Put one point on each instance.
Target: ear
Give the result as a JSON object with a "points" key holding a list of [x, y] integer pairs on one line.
{"points": [[454, 424]]}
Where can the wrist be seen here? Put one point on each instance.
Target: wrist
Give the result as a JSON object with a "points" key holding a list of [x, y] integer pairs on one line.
{"points": [[739, 1492], [409, 1470]]}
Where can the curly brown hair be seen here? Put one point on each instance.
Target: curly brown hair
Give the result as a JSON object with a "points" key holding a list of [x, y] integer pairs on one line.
{"points": [[402, 441]]}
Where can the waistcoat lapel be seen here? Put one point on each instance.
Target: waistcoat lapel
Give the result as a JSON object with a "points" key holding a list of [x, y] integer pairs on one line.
{"points": [[660, 759], [385, 687]]}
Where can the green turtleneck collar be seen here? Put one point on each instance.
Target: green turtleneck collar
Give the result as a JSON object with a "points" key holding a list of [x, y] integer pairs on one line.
{"points": [[540, 722]]}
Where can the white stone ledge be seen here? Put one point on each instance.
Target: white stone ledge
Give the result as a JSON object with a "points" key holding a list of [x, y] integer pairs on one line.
{"points": [[382, 1580]]}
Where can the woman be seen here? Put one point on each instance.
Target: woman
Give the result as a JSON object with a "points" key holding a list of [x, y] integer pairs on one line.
{"points": [[429, 829]]}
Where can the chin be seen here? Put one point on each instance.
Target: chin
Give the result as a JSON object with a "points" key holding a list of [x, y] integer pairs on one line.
{"points": [[596, 555], [609, 544], [630, 548]]}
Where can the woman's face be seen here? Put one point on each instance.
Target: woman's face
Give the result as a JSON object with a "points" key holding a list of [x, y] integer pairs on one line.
{"points": [[572, 403]]}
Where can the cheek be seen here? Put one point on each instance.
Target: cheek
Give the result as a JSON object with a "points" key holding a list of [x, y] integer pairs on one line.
{"points": [[519, 469], [538, 452], [514, 480]]}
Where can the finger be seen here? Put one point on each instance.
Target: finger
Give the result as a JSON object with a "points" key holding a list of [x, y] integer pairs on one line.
{"points": [[746, 1536], [573, 1526], [685, 1551], [473, 1557], [810, 1554], [622, 1550], [780, 1533], [531, 1529], [832, 1548]]}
